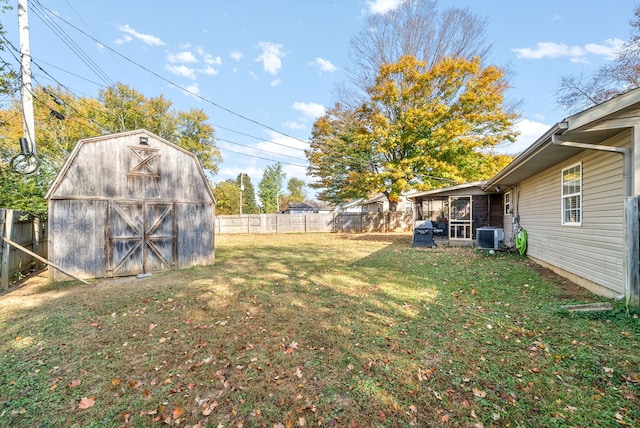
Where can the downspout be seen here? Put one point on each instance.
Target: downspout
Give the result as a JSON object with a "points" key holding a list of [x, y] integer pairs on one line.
{"points": [[627, 189]]}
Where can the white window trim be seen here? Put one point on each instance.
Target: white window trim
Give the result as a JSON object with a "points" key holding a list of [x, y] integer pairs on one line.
{"points": [[507, 205], [563, 196]]}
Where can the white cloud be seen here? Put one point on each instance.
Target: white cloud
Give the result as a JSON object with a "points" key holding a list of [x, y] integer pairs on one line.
{"points": [[181, 70], [283, 145], [124, 39], [237, 55], [608, 50], [253, 75], [275, 82], [213, 60], [145, 38], [548, 50], [574, 53], [380, 7], [295, 125], [310, 110], [208, 70], [325, 65], [270, 57], [183, 57], [192, 89], [530, 131]]}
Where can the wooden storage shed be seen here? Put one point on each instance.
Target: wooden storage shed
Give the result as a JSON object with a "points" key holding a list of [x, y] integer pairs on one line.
{"points": [[129, 203]]}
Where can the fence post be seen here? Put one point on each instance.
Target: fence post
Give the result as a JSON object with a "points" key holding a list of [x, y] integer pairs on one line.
{"points": [[631, 261], [6, 248], [35, 240]]}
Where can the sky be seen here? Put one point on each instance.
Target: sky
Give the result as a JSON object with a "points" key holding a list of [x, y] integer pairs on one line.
{"points": [[264, 70]]}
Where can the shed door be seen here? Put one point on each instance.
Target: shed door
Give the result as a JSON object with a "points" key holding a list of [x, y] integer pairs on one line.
{"points": [[141, 237]]}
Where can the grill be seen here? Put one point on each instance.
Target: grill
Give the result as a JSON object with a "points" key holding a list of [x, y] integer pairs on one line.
{"points": [[423, 235]]}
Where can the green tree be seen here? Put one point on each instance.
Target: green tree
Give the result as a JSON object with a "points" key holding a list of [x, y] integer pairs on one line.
{"points": [[418, 28], [23, 192], [8, 78], [227, 194], [296, 186], [249, 205], [270, 188], [420, 125], [197, 136], [62, 119]]}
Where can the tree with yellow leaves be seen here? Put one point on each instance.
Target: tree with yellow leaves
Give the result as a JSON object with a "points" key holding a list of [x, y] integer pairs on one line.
{"points": [[421, 128]]}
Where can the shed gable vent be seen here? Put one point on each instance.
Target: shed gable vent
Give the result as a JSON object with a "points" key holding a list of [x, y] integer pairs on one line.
{"points": [[143, 161]]}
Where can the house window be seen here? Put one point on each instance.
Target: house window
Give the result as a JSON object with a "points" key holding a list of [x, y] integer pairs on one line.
{"points": [[507, 203], [572, 195]]}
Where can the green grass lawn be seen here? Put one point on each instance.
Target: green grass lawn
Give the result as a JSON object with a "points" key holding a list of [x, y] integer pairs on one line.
{"points": [[319, 330]]}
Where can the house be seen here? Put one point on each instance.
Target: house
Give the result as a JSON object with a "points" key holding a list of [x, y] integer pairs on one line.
{"points": [[308, 207], [129, 203], [354, 206], [457, 211], [380, 204], [575, 192]]}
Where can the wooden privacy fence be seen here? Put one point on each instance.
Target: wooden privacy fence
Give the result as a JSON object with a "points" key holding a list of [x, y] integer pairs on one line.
{"points": [[28, 232], [312, 223]]}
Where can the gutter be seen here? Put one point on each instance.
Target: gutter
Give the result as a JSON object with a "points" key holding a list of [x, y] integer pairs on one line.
{"points": [[627, 192], [626, 172]]}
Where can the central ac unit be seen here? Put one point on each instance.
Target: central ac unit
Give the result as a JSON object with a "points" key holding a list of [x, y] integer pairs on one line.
{"points": [[489, 238]]}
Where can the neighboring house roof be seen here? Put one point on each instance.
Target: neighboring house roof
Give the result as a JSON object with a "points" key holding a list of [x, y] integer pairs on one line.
{"points": [[591, 126], [378, 199], [478, 184], [309, 206]]}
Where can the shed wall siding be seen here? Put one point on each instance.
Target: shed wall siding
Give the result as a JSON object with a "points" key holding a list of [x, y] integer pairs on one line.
{"points": [[119, 207], [195, 235], [102, 169], [594, 250], [77, 238]]}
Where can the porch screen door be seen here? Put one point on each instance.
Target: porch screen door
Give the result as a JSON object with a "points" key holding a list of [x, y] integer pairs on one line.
{"points": [[460, 217]]}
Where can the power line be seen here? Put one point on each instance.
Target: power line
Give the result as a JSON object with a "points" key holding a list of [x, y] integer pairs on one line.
{"points": [[262, 150], [99, 131], [262, 158], [169, 81], [71, 44]]}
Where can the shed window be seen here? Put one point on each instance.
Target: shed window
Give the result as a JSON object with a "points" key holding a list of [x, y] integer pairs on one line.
{"points": [[572, 195], [507, 203]]}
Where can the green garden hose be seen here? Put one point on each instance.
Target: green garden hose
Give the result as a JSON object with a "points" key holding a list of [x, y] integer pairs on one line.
{"points": [[521, 241]]}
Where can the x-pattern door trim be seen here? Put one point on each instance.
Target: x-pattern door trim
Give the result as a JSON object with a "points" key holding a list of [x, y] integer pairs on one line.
{"points": [[141, 234], [146, 165]]}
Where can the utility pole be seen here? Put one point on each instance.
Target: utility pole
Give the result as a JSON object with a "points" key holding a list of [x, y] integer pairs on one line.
{"points": [[241, 190], [25, 72]]}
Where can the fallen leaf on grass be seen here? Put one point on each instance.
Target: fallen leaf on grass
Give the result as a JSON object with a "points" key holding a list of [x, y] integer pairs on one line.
{"points": [[85, 403], [73, 383], [177, 412], [479, 393], [152, 326]]}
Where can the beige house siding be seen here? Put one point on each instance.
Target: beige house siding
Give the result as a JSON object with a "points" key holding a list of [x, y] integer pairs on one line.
{"points": [[508, 230], [593, 250]]}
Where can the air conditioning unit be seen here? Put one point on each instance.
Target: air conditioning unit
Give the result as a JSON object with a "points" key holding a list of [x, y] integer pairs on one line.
{"points": [[489, 238]]}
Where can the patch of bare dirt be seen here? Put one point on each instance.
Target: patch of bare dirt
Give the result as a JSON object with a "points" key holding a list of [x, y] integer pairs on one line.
{"points": [[568, 289]]}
